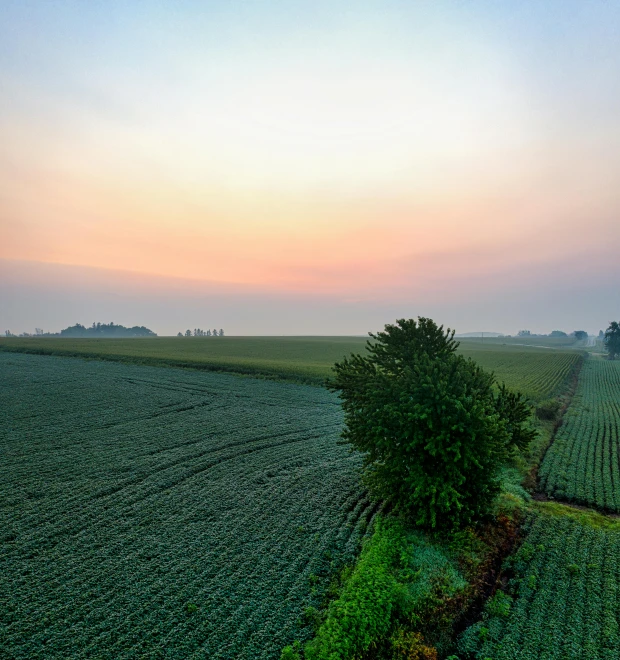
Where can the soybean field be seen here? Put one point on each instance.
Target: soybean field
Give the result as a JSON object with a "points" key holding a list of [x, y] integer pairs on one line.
{"points": [[562, 598], [166, 513], [583, 463]]}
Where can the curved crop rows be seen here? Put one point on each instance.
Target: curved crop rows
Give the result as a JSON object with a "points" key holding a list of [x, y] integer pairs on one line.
{"points": [[563, 600], [583, 463], [165, 513]]}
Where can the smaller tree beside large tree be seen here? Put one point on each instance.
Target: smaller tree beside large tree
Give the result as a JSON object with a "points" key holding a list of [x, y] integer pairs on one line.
{"points": [[612, 340], [432, 425]]}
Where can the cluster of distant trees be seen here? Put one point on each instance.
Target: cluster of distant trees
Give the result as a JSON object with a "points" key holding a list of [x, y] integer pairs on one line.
{"points": [[578, 334], [95, 330], [202, 333], [38, 332], [106, 330]]}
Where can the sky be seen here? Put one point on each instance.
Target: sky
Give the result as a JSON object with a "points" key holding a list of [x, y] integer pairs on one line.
{"points": [[309, 168]]}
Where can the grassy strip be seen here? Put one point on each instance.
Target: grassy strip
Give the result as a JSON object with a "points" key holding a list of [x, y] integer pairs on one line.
{"points": [[583, 516]]}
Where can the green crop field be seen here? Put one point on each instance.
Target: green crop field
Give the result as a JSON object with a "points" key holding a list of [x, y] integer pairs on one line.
{"points": [[166, 513], [562, 600], [583, 463], [176, 513], [537, 372]]}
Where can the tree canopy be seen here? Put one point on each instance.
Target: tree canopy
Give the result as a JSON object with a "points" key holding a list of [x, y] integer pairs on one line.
{"points": [[433, 426], [612, 340]]}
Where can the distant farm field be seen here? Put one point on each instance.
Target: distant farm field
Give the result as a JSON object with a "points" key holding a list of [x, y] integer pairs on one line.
{"points": [[545, 342], [166, 513], [295, 358], [537, 372], [583, 463]]}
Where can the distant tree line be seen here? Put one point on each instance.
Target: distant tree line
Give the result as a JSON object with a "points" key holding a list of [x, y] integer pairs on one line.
{"points": [[577, 334], [201, 333], [95, 330], [106, 330]]}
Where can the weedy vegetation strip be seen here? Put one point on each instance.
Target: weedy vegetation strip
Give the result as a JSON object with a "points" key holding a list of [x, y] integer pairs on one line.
{"points": [[583, 463], [167, 513], [562, 598], [400, 577]]}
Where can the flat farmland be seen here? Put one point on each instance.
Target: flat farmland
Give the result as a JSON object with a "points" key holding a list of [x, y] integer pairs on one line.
{"points": [[297, 358], [166, 513], [537, 372]]}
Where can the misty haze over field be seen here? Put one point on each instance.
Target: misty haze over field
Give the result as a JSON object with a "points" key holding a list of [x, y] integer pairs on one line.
{"points": [[54, 296]]}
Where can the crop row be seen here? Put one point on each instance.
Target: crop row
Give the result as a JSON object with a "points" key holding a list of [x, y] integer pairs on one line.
{"points": [[562, 601], [583, 463], [163, 513]]}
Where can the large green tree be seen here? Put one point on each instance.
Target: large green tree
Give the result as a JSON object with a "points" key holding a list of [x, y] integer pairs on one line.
{"points": [[612, 340], [432, 425]]}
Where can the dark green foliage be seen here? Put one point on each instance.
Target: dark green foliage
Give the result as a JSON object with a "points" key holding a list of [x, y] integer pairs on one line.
{"points": [[513, 408], [429, 422], [612, 340]]}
